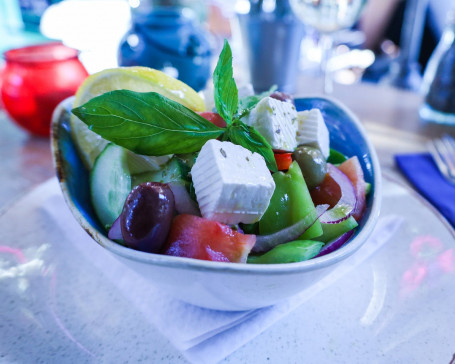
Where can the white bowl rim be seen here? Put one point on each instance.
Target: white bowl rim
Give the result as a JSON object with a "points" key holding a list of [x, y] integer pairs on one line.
{"points": [[225, 267]]}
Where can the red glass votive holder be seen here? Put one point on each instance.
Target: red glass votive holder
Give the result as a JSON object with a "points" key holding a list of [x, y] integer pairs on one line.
{"points": [[35, 79]]}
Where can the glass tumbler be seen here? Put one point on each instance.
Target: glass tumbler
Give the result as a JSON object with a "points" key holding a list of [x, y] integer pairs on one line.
{"points": [[439, 79], [35, 79]]}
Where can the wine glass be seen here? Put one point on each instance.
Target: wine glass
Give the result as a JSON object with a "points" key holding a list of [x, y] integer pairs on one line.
{"points": [[327, 17]]}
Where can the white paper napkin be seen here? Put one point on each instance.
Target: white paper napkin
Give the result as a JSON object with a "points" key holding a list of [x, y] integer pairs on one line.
{"points": [[202, 335]]}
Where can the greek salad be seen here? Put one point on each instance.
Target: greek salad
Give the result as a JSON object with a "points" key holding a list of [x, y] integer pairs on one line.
{"points": [[251, 181]]}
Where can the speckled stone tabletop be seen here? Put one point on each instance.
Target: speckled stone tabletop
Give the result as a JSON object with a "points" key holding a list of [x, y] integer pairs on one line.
{"points": [[25, 161]]}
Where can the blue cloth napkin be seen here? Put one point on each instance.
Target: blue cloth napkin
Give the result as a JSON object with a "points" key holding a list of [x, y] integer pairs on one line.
{"points": [[422, 172]]}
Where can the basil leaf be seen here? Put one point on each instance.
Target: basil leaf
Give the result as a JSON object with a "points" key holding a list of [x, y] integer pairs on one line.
{"points": [[249, 138], [146, 123], [225, 90], [247, 103]]}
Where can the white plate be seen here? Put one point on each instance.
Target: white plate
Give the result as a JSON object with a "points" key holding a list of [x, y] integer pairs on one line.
{"points": [[396, 307]]}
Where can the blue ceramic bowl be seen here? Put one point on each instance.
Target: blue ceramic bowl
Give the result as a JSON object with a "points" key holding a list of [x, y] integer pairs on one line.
{"points": [[216, 285]]}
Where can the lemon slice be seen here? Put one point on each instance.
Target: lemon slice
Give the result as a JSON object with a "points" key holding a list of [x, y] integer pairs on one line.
{"points": [[139, 79]]}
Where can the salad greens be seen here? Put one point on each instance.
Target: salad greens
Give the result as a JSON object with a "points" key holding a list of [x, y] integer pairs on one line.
{"points": [[226, 92], [290, 203], [292, 252], [299, 217], [146, 123], [247, 103], [249, 138], [152, 124]]}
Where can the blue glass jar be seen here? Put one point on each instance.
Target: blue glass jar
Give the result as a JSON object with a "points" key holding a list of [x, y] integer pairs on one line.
{"points": [[166, 38]]}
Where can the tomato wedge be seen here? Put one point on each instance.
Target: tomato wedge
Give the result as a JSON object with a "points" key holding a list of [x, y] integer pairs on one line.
{"points": [[195, 237], [214, 118], [328, 192], [353, 170], [283, 160]]}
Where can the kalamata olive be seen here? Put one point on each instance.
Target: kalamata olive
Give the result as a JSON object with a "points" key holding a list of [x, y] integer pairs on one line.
{"points": [[312, 163], [147, 215], [283, 97]]}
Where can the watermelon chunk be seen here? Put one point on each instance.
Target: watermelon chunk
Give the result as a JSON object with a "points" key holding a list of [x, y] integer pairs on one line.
{"points": [[198, 238]]}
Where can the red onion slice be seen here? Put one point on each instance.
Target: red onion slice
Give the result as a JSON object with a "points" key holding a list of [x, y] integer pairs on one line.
{"points": [[115, 232], [184, 204], [266, 242], [335, 244], [347, 202]]}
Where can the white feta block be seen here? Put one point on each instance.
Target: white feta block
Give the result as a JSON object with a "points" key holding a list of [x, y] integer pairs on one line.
{"points": [[232, 184], [313, 131], [276, 121]]}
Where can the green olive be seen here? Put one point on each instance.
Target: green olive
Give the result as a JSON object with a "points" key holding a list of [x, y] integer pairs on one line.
{"points": [[312, 163]]}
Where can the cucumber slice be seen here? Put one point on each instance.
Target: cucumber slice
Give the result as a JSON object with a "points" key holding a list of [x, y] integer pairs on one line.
{"points": [[110, 183], [145, 163], [174, 171], [189, 158]]}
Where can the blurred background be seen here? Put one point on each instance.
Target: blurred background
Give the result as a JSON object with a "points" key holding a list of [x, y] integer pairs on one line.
{"points": [[379, 41]]}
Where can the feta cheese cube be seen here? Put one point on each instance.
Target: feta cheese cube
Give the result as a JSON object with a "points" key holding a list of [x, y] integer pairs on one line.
{"points": [[276, 121], [232, 184], [313, 131]]}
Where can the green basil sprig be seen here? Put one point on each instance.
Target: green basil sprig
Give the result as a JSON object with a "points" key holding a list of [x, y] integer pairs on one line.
{"points": [[248, 137], [231, 110], [226, 94], [146, 123], [152, 124]]}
